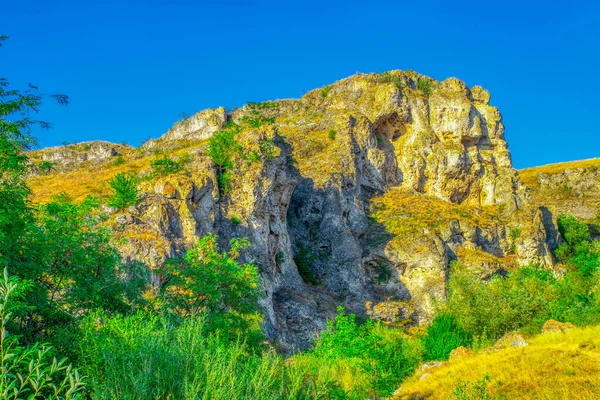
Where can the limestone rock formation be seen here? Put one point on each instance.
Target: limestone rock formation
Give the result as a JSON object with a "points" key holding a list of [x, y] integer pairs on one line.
{"points": [[552, 326], [569, 188], [358, 194], [69, 157], [200, 126]]}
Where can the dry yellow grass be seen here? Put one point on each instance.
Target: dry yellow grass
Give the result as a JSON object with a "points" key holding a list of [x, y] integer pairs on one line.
{"points": [[553, 366], [529, 175], [93, 179], [406, 213], [481, 261]]}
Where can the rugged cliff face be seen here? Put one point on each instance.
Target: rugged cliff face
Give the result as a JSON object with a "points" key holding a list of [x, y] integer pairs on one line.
{"points": [[358, 194], [570, 188]]}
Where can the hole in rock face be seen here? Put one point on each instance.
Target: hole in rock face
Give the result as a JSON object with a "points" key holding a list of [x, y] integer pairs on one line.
{"points": [[391, 127]]}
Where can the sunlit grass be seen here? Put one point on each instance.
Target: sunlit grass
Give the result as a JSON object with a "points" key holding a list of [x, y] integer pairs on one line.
{"points": [[553, 366], [93, 179]]}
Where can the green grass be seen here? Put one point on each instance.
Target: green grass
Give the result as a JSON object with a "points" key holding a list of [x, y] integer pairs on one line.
{"points": [[144, 357]]}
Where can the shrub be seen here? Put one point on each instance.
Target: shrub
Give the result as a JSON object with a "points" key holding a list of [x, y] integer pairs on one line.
{"points": [[118, 161], [443, 336], [30, 372], [388, 77], [383, 359], [165, 166], [578, 250], [256, 120], [222, 150], [235, 220], [523, 300], [425, 86], [572, 230], [332, 134], [513, 235], [214, 284], [488, 310], [46, 167], [125, 192]]}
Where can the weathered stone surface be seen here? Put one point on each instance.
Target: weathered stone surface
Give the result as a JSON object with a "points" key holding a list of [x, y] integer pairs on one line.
{"points": [[568, 188], [510, 340], [556, 326], [199, 126], [66, 158], [459, 352]]}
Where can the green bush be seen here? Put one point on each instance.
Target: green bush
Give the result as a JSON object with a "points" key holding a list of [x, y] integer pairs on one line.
{"points": [[222, 150], [165, 166], [332, 133], [213, 284], [125, 192], [488, 310], [425, 86], [30, 372], [118, 161], [572, 230], [383, 358], [46, 167], [523, 300], [443, 336], [578, 250], [388, 77]]}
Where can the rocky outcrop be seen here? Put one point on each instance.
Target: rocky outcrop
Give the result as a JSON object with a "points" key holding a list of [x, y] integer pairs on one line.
{"points": [[199, 126], [568, 188], [552, 326], [358, 194], [69, 157]]}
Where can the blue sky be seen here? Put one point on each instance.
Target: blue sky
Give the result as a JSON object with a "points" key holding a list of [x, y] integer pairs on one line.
{"points": [[131, 67]]}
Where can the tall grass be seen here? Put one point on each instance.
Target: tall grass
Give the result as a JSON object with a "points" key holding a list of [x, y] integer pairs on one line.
{"points": [[146, 357]]}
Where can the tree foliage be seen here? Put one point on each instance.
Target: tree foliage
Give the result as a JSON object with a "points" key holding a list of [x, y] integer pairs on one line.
{"points": [[30, 372], [125, 192], [214, 284]]}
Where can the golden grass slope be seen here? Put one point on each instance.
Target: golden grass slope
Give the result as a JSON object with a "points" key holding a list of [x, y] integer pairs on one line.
{"points": [[529, 176], [88, 179], [553, 366]]}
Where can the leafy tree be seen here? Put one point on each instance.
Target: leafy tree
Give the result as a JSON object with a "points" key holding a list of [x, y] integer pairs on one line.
{"points": [[58, 251], [16, 124], [215, 284], [30, 372], [125, 191]]}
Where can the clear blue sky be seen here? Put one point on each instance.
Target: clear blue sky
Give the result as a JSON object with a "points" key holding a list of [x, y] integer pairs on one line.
{"points": [[131, 67]]}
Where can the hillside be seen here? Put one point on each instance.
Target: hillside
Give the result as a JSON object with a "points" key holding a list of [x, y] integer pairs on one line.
{"points": [[570, 187], [552, 366], [360, 194]]}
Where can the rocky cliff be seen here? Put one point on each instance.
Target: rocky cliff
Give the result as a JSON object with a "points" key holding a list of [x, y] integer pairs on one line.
{"points": [[570, 187], [358, 194]]}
